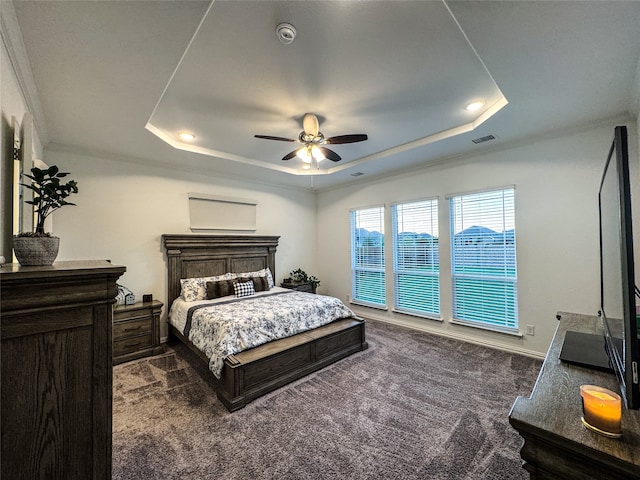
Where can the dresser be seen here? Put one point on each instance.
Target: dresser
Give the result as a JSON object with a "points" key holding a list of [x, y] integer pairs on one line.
{"points": [[555, 443], [136, 331], [56, 328]]}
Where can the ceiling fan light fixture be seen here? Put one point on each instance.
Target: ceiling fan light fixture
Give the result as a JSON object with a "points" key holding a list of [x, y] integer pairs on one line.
{"points": [[304, 154], [317, 153]]}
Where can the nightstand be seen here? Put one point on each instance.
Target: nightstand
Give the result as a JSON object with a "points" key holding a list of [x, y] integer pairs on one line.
{"points": [[299, 286], [136, 331]]}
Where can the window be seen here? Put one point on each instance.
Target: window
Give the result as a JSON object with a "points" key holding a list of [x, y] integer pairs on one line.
{"points": [[416, 259], [483, 259], [367, 257]]}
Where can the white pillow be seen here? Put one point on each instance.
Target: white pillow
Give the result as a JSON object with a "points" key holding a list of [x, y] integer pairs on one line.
{"points": [[193, 289], [265, 272]]}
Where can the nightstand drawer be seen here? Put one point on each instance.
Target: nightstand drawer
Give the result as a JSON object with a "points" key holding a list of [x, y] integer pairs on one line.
{"points": [[132, 344], [299, 286], [132, 327], [136, 331], [305, 287]]}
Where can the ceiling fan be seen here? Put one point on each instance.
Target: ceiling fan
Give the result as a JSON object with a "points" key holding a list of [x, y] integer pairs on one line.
{"points": [[313, 140]]}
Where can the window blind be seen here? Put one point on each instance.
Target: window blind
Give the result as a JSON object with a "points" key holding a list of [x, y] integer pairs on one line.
{"points": [[416, 258], [367, 257], [483, 259]]}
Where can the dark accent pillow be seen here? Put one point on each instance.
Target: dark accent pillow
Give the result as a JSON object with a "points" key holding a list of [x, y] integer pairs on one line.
{"points": [[260, 284], [221, 288], [212, 290]]}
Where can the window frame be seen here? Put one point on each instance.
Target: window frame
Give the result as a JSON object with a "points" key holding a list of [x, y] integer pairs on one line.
{"points": [[433, 218], [356, 269], [509, 322]]}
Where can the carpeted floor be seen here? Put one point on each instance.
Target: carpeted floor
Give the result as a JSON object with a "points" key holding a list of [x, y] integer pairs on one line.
{"points": [[412, 406]]}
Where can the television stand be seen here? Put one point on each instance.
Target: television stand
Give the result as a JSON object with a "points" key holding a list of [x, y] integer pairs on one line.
{"points": [[555, 443]]}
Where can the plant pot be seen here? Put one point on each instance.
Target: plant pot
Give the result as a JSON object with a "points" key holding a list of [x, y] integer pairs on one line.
{"points": [[36, 251]]}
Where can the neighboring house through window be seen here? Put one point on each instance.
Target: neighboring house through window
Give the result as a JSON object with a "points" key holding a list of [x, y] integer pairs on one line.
{"points": [[416, 258], [483, 259], [368, 283]]}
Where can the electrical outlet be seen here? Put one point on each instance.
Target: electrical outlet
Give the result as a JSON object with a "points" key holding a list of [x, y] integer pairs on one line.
{"points": [[530, 330], [348, 298]]}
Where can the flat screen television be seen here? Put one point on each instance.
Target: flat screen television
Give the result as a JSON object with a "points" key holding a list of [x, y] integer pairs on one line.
{"points": [[618, 350], [617, 276]]}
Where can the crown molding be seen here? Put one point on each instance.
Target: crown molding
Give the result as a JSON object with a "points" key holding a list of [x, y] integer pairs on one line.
{"points": [[453, 160], [11, 35]]}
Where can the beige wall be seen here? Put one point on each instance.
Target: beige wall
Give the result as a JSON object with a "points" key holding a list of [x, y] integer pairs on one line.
{"points": [[556, 184], [123, 209]]}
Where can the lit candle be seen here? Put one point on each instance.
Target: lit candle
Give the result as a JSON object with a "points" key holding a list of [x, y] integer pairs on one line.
{"points": [[602, 410]]}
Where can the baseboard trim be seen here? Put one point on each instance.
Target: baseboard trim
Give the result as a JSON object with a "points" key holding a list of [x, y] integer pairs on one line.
{"points": [[457, 336]]}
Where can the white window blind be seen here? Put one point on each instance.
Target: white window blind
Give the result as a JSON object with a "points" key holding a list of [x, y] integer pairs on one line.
{"points": [[416, 259], [483, 259], [367, 257]]}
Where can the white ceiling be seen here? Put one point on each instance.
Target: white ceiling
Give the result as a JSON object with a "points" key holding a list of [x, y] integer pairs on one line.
{"points": [[122, 78]]}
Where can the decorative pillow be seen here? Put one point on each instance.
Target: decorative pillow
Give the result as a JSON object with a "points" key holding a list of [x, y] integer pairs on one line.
{"points": [[269, 277], [265, 272], [222, 288], [260, 284], [243, 289], [196, 288], [213, 289]]}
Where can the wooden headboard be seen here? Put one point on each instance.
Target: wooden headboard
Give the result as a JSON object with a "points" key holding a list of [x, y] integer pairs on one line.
{"points": [[191, 256]]}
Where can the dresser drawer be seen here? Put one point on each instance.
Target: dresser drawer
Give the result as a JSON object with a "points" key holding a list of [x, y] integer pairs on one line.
{"points": [[132, 344], [132, 327]]}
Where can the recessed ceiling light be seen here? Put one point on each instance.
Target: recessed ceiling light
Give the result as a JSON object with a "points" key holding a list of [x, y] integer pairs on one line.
{"points": [[187, 136], [306, 166], [472, 107]]}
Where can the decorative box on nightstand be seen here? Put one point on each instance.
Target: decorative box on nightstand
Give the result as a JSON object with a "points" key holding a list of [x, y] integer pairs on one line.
{"points": [[136, 331], [299, 286]]}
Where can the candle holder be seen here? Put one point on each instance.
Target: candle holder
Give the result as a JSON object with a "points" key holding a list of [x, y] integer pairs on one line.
{"points": [[602, 410]]}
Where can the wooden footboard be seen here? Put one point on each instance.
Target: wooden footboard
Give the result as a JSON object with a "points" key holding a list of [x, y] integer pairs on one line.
{"points": [[250, 374]]}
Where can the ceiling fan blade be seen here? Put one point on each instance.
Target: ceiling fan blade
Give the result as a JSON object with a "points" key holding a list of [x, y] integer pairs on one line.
{"points": [[330, 154], [353, 138], [281, 139], [290, 155]]}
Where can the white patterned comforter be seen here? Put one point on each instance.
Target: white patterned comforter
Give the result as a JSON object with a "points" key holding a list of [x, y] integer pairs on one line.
{"points": [[230, 325]]}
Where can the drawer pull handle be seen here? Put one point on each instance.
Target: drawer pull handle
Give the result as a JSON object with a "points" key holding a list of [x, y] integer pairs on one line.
{"points": [[131, 329], [127, 345]]}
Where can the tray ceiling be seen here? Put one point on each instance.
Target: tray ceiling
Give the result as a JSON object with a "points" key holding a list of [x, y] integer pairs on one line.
{"points": [[120, 79]]}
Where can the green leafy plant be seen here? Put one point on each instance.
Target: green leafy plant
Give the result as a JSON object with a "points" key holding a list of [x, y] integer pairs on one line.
{"points": [[49, 194], [300, 276]]}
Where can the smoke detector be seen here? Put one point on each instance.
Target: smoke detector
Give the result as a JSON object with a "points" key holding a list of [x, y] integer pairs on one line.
{"points": [[286, 33]]}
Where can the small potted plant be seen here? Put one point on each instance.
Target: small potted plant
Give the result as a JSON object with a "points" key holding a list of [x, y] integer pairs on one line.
{"points": [[49, 194], [300, 276]]}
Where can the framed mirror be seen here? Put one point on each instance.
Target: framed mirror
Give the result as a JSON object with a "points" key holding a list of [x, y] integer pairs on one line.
{"points": [[22, 162]]}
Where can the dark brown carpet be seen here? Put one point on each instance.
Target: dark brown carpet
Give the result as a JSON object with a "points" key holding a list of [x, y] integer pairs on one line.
{"points": [[412, 406]]}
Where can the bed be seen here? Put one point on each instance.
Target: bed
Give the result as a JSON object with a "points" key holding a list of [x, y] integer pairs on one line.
{"points": [[245, 375]]}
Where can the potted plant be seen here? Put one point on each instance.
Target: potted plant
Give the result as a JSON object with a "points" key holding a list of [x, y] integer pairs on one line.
{"points": [[49, 194], [300, 276]]}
